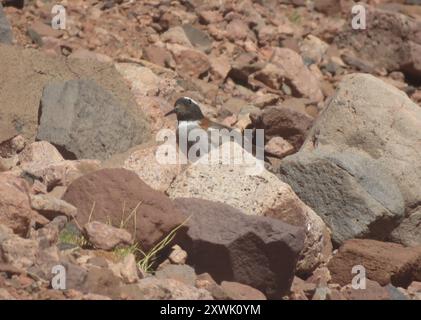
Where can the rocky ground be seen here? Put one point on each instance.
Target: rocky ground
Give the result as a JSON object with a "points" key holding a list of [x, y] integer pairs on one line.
{"points": [[80, 186]]}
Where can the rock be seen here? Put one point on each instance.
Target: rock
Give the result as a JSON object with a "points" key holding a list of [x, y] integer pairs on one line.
{"points": [[18, 252], [4, 294], [97, 127], [145, 162], [12, 146], [33, 69], [159, 56], [90, 55], [396, 293], [205, 281], [302, 290], [238, 291], [231, 184], [231, 246], [120, 196], [49, 234], [129, 269], [408, 232], [178, 255], [244, 66], [385, 262], [287, 67], [62, 173], [6, 35], [102, 281], [328, 7], [51, 207], [176, 35], [391, 41], [373, 291], [191, 62], [106, 237], [163, 289], [320, 176], [181, 273], [39, 29], [198, 38], [366, 158], [143, 80], [414, 290], [313, 49], [15, 210], [41, 152], [289, 123], [279, 147], [237, 30]]}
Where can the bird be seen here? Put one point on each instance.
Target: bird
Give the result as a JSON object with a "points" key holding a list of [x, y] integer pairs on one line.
{"points": [[190, 117]]}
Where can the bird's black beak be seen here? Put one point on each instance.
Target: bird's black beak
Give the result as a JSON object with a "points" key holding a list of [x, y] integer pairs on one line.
{"points": [[168, 113]]}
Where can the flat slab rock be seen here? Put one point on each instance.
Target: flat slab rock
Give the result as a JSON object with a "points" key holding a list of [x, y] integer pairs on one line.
{"points": [[257, 251], [116, 196], [385, 262]]}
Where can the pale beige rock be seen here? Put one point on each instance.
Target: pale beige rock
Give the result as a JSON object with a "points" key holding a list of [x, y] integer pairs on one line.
{"points": [[51, 207], [259, 194], [165, 289], [279, 147], [178, 255], [129, 270], [40, 152], [176, 35], [143, 81], [20, 253], [145, 163], [106, 237], [60, 173]]}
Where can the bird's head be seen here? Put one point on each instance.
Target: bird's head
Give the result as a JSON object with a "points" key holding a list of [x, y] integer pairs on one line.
{"points": [[186, 109]]}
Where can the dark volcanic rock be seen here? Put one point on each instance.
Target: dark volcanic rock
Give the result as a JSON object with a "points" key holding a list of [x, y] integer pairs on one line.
{"points": [[257, 251], [119, 195], [86, 121]]}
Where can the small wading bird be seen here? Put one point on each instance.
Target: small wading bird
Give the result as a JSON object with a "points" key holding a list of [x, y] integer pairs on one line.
{"points": [[190, 117]]}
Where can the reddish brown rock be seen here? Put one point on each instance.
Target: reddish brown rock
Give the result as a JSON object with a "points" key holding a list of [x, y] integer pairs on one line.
{"points": [[238, 291], [372, 291], [288, 123], [384, 262], [120, 196], [287, 67], [15, 209], [391, 40], [159, 56]]}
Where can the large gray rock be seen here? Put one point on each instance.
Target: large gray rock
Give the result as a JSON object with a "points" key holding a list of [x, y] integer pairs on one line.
{"points": [[33, 70], [359, 167], [5, 28], [85, 121], [353, 196], [258, 251], [409, 232]]}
